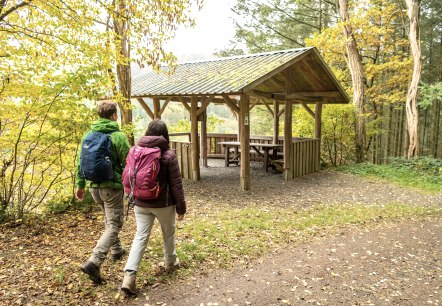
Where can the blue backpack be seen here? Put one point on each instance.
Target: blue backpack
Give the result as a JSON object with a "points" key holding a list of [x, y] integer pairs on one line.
{"points": [[95, 158]]}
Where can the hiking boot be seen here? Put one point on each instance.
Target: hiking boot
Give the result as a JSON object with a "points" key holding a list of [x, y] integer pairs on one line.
{"points": [[129, 286], [173, 267], [117, 256], [93, 271]]}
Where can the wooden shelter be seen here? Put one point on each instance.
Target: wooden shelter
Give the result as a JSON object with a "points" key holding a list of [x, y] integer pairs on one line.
{"points": [[276, 80]]}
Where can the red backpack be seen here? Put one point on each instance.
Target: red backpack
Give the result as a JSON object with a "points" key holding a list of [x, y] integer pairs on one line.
{"points": [[140, 174]]}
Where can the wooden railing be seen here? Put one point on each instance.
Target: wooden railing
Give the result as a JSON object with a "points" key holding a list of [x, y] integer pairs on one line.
{"points": [[305, 155], [183, 153]]}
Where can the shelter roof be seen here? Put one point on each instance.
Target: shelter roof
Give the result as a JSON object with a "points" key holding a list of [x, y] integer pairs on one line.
{"points": [[260, 74]]}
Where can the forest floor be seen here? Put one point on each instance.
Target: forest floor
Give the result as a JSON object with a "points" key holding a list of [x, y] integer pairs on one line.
{"points": [[383, 262]]}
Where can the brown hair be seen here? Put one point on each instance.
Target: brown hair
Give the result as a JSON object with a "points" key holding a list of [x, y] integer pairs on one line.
{"points": [[106, 109], [157, 128]]}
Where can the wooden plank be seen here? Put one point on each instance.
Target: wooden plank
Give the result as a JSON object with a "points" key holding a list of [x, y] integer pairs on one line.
{"points": [[292, 159], [281, 111], [146, 108], [179, 155], [319, 94], [318, 155], [313, 155], [245, 141], [185, 161]]}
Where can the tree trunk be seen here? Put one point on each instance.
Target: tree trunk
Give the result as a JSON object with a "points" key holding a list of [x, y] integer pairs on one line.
{"points": [[357, 76], [124, 76], [413, 8]]}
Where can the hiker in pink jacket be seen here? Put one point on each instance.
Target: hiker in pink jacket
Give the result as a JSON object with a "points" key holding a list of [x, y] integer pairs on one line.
{"points": [[170, 202]]}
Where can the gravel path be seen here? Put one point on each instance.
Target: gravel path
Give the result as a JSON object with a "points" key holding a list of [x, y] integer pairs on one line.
{"points": [[322, 187], [392, 264]]}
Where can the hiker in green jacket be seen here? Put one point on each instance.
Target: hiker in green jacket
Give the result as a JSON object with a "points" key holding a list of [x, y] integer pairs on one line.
{"points": [[106, 191]]}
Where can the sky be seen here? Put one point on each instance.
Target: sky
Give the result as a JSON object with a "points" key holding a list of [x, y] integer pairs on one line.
{"points": [[212, 32]]}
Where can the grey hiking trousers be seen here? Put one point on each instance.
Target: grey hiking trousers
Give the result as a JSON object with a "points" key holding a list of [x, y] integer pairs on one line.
{"points": [[112, 203]]}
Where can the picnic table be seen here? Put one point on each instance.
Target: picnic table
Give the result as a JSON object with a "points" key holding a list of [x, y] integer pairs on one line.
{"points": [[262, 149]]}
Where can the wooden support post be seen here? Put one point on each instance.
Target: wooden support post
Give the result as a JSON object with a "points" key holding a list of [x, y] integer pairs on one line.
{"points": [[194, 137], [156, 108], [275, 121], [288, 169], [318, 132], [204, 138], [318, 115], [245, 141], [288, 164]]}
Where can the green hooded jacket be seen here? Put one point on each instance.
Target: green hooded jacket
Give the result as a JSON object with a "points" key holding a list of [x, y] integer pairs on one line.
{"points": [[120, 148]]}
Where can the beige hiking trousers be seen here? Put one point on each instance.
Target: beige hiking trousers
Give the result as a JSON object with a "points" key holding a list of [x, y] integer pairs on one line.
{"points": [[112, 203], [145, 219]]}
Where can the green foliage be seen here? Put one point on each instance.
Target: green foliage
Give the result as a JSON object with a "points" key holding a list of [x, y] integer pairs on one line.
{"points": [[39, 143], [261, 121], [277, 25], [424, 173], [429, 93], [182, 125], [337, 132]]}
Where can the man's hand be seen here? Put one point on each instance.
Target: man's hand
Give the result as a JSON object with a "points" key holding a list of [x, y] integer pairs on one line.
{"points": [[79, 194], [179, 217]]}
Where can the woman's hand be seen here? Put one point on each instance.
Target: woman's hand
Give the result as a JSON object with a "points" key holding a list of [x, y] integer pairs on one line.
{"points": [[179, 217]]}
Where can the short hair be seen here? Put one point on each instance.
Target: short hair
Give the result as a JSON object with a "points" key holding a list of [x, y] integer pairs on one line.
{"points": [[157, 128], [106, 109]]}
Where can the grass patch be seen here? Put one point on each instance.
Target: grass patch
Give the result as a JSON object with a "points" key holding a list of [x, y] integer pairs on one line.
{"points": [[422, 173], [248, 233]]}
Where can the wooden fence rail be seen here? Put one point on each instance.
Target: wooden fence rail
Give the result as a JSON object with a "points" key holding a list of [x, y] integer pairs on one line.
{"points": [[305, 152], [183, 153], [305, 156]]}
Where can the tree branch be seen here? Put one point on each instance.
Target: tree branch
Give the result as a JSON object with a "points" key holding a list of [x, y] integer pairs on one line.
{"points": [[12, 9]]}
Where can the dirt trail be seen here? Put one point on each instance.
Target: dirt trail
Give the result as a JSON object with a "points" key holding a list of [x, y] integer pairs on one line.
{"points": [[390, 264]]}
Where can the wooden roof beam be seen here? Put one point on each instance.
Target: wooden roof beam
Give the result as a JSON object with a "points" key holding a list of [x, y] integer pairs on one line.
{"points": [[280, 85], [230, 104], [165, 104], [184, 102], [204, 105], [308, 109], [268, 107], [146, 107], [254, 103], [319, 94]]}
